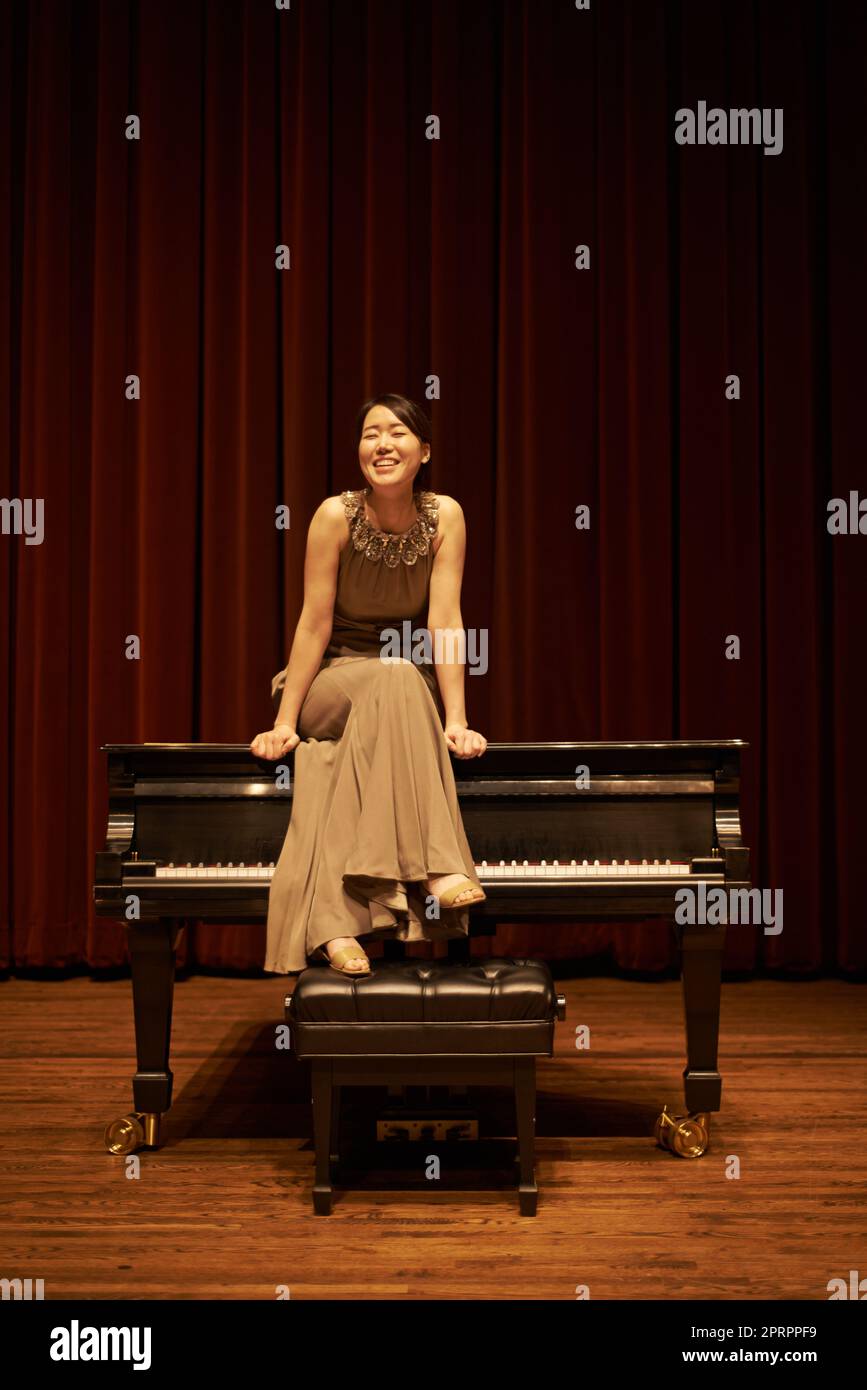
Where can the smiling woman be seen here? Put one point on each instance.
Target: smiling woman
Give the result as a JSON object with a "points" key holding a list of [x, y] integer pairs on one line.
{"points": [[376, 844]]}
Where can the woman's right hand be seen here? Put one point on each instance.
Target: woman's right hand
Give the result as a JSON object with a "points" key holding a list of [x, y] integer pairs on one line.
{"points": [[276, 742]]}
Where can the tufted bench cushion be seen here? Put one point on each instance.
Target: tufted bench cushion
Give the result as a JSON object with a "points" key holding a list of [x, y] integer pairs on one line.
{"points": [[434, 1008]]}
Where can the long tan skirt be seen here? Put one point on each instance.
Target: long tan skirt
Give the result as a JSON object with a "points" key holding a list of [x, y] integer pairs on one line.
{"points": [[374, 812]]}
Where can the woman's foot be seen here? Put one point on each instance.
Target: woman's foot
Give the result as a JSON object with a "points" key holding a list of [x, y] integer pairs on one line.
{"points": [[439, 884], [357, 963]]}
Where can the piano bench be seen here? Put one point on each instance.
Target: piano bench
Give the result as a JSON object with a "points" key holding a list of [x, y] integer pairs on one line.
{"points": [[425, 1023]]}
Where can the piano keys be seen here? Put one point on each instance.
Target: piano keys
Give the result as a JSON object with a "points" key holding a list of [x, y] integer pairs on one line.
{"points": [[155, 877], [491, 873], [195, 830]]}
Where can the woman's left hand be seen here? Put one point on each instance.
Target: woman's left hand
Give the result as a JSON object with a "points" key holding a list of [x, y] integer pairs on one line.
{"points": [[463, 742]]}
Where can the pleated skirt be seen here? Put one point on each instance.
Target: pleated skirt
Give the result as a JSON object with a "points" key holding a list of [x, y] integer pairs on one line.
{"points": [[374, 813]]}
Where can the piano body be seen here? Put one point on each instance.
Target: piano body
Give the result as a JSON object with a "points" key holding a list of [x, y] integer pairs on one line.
{"points": [[194, 831]]}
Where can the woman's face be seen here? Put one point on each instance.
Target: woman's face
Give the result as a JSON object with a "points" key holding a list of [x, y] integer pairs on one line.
{"points": [[388, 451]]}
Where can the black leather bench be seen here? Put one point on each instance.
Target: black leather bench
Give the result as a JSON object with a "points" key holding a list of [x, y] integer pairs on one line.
{"points": [[427, 1023]]}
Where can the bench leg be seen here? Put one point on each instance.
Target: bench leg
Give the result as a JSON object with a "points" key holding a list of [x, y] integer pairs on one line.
{"points": [[322, 1128], [336, 1093], [525, 1113]]}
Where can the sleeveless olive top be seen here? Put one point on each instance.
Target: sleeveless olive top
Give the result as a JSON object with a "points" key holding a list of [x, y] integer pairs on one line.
{"points": [[383, 582]]}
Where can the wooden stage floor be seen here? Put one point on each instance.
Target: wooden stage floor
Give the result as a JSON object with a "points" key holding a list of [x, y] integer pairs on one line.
{"points": [[223, 1209]]}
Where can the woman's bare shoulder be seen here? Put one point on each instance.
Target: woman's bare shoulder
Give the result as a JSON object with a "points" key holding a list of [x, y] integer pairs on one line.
{"points": [[450, 519], [330, 521], [450, 510], [333, 508]]}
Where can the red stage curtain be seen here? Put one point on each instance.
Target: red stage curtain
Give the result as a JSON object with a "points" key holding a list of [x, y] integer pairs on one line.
{"points": [[453, 258]]}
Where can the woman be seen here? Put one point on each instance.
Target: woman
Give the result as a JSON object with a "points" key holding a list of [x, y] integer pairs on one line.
{"points": [[376, 843]]}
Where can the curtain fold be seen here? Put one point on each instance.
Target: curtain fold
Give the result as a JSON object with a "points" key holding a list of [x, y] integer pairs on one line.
{"points": [[165, 388]]}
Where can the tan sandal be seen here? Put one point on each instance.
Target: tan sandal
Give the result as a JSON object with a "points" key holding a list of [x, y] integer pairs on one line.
{"points": [[341, 956], [447, 899]]}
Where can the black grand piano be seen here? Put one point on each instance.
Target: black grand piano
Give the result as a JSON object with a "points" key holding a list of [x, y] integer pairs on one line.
{"points": [[558, 831]]}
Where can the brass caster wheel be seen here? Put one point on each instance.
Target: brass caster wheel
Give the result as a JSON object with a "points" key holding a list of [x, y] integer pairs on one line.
{"points": [[132, 1132], [686, 1135]]}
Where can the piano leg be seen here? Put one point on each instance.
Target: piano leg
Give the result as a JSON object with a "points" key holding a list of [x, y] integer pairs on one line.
{"points": [[701, 958], [152, 961]]}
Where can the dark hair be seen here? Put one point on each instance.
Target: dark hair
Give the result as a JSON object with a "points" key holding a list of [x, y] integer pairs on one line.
{"points": [[412, 416]]}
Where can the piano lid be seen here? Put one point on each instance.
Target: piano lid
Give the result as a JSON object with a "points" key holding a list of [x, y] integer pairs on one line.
{"points": [[705, 745]]}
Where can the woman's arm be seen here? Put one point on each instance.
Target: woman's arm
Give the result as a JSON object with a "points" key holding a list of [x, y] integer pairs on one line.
{"points": [[324, 537], [446, 628]]}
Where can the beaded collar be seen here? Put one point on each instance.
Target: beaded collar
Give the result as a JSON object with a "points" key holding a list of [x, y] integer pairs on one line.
{"points": [[385, 545]]}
